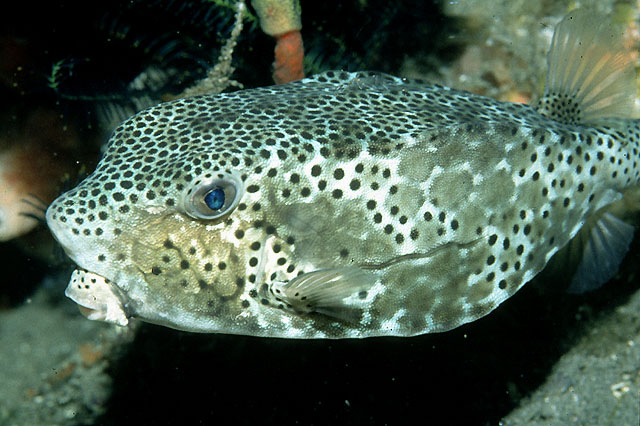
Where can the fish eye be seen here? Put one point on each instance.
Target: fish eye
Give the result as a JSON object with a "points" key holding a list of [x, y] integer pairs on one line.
{"points": [[212, 197]]}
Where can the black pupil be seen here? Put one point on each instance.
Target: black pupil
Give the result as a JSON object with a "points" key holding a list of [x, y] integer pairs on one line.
{"points": [[214, 199]]}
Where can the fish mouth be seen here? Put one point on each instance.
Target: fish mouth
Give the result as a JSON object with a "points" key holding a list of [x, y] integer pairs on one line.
{"points": [[98, 298]]}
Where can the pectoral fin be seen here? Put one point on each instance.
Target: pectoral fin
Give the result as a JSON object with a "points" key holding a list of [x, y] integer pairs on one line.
{"points": [[608, 243], [336, 292]]}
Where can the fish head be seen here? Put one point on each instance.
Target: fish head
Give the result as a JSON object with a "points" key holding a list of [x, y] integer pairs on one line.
{"points": [[171, 227]]}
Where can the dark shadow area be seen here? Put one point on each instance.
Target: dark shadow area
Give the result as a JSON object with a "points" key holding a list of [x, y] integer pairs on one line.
{"points": [[377, 35], [22, 275]]}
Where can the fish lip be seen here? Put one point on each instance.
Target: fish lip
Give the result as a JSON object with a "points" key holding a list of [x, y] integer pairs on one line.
{"points": [[80, 268], [107, 279], [97, 297]]}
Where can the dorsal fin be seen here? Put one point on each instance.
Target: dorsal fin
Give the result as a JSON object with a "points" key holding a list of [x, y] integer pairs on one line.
{"points": [[590, 73]]}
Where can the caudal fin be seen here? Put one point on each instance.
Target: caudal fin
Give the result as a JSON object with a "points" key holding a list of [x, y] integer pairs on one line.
{"points": [[590, 73]]}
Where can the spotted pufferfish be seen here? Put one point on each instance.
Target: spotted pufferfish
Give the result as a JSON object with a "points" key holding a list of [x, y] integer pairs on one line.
{"points": [[349, 205]]}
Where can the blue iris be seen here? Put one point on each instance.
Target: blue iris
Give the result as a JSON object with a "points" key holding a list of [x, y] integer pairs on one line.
{"points": [[214, 199]]}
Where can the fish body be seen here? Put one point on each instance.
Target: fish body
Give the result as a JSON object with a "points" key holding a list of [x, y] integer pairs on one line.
{"points": [[341, 205]]}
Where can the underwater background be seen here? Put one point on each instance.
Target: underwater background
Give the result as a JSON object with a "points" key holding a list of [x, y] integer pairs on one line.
{"points": [[70, 71]]}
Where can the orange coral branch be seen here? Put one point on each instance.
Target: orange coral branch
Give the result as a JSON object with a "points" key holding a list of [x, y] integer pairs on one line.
{"points": [[289, 52], [281, 19]]}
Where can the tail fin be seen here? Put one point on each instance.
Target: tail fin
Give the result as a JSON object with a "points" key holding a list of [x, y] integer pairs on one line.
{"points": [[590, 72]]}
